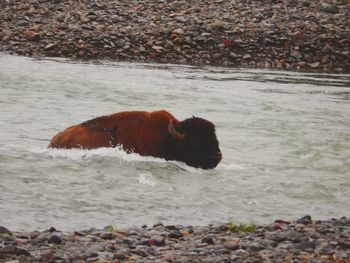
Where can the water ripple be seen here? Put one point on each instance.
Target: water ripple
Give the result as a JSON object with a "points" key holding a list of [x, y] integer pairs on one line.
{"points": [[284, 136]]}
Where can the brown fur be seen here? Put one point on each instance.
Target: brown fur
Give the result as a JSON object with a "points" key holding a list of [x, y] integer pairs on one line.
{"points": [[136, 131]]}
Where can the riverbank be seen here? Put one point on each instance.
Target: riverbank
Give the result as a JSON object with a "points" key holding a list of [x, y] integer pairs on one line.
{"points": [[282, 34], [304, 240]]}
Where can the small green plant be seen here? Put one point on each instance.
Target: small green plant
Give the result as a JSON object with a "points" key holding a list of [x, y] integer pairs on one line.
{"points": [[109, 229], [246, 228]]}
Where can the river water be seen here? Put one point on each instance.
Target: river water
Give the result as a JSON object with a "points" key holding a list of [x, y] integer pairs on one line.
{"points": [[285, 139]]}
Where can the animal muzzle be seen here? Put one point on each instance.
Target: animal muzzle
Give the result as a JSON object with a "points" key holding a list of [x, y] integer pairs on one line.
{"points": [[214, 159]]}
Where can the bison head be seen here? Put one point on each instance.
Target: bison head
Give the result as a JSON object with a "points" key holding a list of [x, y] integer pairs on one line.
{"points": [[194, 142]]}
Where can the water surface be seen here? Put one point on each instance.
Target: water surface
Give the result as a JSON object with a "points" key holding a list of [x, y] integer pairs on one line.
{"points": [[285, 139]]}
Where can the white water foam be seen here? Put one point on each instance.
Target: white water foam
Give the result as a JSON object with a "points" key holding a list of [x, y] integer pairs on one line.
{"points": [[230, 167], [78, 154], [146, 178], [118, 153]]}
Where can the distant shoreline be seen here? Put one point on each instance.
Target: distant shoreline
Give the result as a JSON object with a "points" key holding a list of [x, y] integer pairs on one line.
{"points": [[285, 34], [304, 240]]}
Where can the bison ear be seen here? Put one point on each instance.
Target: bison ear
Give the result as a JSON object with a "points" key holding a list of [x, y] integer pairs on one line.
{"points": [[174, 133]]}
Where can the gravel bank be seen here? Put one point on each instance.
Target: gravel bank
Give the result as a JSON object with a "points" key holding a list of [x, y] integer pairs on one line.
{"points": [[278, 34], [303, 240]]}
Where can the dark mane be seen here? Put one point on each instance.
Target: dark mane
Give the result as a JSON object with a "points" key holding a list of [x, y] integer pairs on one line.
{"points": [[194, 124]]}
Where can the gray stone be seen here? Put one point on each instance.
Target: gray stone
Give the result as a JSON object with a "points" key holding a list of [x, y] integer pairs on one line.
{"points": [[329, 8], [208, 239], [175, 234], [4, 230], [305, 220], [23, 259], [256, 247], [54, 239], [9, 249], [305, 245], [344, 243]]}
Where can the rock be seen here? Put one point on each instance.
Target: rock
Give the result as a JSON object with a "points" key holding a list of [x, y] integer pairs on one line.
{"points": [[247, 57], [107, 236], [122, 254], [94, 249], [218, 25], [325, 59], [82, 53], [343, 243], [158, 48], [181, 19], [47, 256], [305, 220], [301, 64], [5, 36], [274, 226], [54, 239], [168, 257], [327, 49], [156, 241], [23, 259], [175, 234], [4, 230], [49, 46], [179, 31], [231, 244], [140, 251], [119, 43], [201, 230], [22, 251], [52, 229], [306, 245], [256, 247], [13, 250], [42, 237], [293, 240], [329, 8], [32, 35], [279, 65], [281, 237], [9, 249], [197, 34], [315, 65], [208, 239], [34, 234], [205, 34], [21, 241], [296, 54]]}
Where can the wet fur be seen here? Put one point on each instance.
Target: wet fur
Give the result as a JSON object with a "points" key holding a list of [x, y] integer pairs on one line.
{"points": [[146, 133]]}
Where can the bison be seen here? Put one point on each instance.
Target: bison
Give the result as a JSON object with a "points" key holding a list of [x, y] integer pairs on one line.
{"points": [[159, 134]]}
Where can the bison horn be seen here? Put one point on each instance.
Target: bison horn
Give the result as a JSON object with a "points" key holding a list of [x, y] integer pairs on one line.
{"points": [[174, 133]]}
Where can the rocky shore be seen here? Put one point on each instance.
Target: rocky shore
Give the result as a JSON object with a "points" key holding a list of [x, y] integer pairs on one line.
{"points": [[277, 34], [304, 240]]}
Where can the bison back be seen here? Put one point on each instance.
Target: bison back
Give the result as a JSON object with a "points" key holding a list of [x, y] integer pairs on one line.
{"points": [[135, 131]]}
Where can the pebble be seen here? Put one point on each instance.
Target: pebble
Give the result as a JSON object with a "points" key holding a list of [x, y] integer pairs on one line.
{"points": [[302, 240], [208, 240], [284, 35], [54, 239], [4, 230], [175, 234], [306, 245], [23, 259], [156, 241], [231, 244]]}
